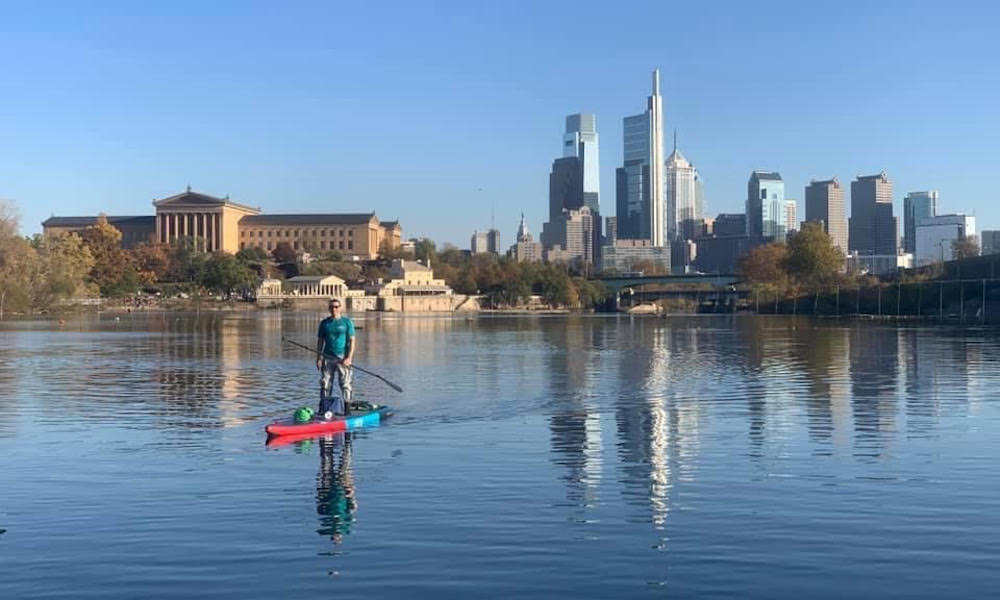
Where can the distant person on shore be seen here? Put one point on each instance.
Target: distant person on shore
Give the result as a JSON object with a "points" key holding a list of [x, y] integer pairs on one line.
{"points": [[335, 343]]}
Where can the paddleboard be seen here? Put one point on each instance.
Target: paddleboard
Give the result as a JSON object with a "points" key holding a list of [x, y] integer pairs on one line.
{"points": [[319, 425]]}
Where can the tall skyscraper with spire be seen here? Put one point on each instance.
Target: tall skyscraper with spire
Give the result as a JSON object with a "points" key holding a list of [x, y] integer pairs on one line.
{"points": [[639, 184], [680, 193]]}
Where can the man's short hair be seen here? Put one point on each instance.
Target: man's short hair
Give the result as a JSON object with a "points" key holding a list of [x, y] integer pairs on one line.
{"points": [[334, 300]]}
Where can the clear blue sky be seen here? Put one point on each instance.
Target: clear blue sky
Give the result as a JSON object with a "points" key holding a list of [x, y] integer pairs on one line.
{"points": [[434, 113]]}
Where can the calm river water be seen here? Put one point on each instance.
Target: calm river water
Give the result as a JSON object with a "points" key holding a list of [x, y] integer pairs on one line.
{"points": [[529, 457]]}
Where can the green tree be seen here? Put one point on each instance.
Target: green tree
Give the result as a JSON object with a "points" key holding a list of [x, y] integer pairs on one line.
{"points": [[812, 259], [424, 249], [451, 255], [373, 271], [284, 253], [466, 283], [591, 293], [186, 262], [252, 254], [512, 292], [764, 268], [17, 262], [485, 269], [386, 253], [227, 275], [966, 247], [345, 270], [113, 271], [557, 288], [332, 255], [64, 261]]}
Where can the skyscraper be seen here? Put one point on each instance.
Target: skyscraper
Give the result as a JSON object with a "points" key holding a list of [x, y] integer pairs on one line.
{"points": [[485, 241], [766, 205], [525, 249], [872, 227], [581, 141], [639, 182], [477, 244], [680, 193], [825, 204], [570, 237], [991, 242], [916, 206], [565, 186], [935, 237], [493, 241], [791, 216], [575, 180]]}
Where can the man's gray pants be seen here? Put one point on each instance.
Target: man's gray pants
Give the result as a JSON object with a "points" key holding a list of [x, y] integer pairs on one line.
{"points": [[335, 370]]}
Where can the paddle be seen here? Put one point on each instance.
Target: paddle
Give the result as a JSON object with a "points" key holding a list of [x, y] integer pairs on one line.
{"points": [[375, 375]]}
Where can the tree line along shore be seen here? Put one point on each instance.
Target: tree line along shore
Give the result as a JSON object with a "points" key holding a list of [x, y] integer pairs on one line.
{"points": [[48, 273]]}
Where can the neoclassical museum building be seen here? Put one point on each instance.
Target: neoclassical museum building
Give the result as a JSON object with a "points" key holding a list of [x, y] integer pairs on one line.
{"points": [[221, 224]]}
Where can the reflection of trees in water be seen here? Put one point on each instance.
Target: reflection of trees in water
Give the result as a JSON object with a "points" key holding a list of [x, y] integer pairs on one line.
{"points": [[751, 356], [874, 367], [8, 384], [335, 499], [822, 354], [937, 373]]}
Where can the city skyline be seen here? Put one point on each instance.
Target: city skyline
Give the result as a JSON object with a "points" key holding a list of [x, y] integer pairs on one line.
{"points": [[230, 111]]}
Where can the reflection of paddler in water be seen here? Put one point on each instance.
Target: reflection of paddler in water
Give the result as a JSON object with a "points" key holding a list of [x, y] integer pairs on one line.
{"points": [[335, 500]]}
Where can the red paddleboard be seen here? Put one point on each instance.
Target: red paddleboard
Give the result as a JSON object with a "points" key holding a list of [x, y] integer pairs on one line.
{"points": [[319, 425]]}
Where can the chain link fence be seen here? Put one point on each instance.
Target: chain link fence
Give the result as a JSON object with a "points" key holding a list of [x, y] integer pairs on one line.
{"points": [[967, 300]]}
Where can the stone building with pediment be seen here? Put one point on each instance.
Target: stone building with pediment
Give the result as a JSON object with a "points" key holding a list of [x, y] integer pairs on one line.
{"points": [[219, 224]]}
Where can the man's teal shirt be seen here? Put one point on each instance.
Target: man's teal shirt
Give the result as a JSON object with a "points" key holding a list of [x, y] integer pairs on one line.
{"points": [[335, 333]]}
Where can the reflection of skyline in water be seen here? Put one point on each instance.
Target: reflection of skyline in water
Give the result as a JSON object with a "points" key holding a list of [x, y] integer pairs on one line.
{"points": [[573, 368], [627, 402], [874, 366], [844, 381]]}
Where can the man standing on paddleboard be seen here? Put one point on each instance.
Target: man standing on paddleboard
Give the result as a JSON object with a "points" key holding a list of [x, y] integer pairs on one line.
{"points": [[335, 339]]}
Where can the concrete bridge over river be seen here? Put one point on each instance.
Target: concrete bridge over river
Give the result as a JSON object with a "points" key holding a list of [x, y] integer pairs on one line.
{"points": [[714, 288]]}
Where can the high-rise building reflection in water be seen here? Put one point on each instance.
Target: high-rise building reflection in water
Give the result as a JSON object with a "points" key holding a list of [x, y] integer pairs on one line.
{"points": [[575, 425], [657, 414], [874, 368], [823, 356], [940, 376]]}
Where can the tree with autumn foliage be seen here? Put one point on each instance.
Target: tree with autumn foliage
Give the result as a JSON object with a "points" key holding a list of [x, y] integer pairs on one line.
{"points": [[764, 268], [152, 262], [37, 273], [113, 271], [813, 261], [64, 261], [966, 247], [17, 259]]}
